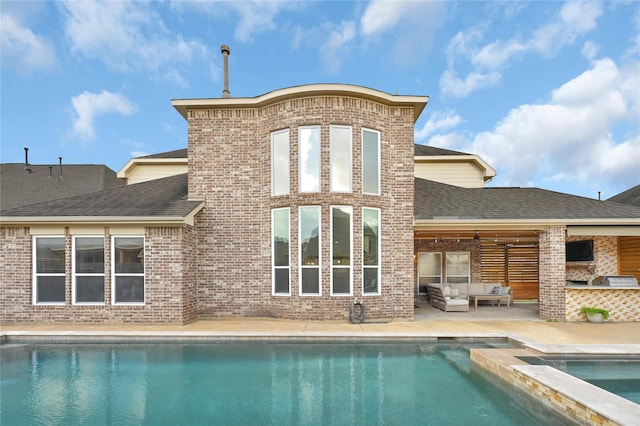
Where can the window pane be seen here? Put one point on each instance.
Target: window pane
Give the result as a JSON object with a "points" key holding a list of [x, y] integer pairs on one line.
{"points": [[340, 141], [281, 280], [129, 255], [310, 280], [429, 264], [309, 238], [457, 264], [129, 289], [370, 162], [281, 237], [90, 255], [309, 153], [90, 289], [341, 278], [50, 289], [371, 280], [341, 235], [370, 223], [50, 255], [280, 163]]}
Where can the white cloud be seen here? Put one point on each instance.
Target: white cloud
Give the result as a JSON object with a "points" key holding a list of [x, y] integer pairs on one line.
{"points": [[88, 106], [570, 138], [22, 49], [451, 84], [125, 36], [574, 20], [336, 47], [381, 16], [438, 121]]}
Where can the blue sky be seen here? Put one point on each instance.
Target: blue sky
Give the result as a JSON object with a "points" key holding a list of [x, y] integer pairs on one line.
{"points": [[548, 93]]}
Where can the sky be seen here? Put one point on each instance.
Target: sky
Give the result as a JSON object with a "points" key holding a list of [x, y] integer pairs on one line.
{"points": [[547, 93]]}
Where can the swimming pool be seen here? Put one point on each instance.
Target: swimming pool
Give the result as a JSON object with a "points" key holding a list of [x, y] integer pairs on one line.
{"points": [[253, 383], [617, 374]]}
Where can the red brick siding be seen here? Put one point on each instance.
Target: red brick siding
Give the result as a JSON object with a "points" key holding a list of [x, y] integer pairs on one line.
{"points": [[552, 273]]}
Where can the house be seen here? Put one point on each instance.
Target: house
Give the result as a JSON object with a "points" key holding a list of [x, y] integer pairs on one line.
{"points": [[293, 204]]}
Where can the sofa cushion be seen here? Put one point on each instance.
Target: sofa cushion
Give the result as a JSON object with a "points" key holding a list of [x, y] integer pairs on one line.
{"points": [[477, 288], [457, 302]]}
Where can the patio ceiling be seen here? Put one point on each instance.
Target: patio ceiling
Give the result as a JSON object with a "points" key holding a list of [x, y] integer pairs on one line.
{"points": [[497, 236]]}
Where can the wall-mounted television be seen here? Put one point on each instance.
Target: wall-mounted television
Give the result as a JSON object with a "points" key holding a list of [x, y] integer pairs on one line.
{"points": [[579, 251]]}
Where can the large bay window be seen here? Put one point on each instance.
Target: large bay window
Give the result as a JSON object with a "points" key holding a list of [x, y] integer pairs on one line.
{"points": [[280, 251], [458, 267], [280, 162], [340, 147], [49, 270], [429, 270], [370, 162], [371, 251], [310, 250], [341, 250], [88, 270], [309, 159], [127, 263]]}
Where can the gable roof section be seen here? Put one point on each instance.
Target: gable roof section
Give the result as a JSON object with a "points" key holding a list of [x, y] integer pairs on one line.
{"points": [[630, 196], [178, 153], [428, 151], [176, 157], [436, 201], [44, 183], [157, 201]]}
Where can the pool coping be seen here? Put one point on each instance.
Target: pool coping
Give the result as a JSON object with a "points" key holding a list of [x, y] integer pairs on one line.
{"points": [[588, 403]]}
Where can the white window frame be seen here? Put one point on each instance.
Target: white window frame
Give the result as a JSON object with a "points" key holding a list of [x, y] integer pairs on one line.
{"points": [[282, 168], [36, 274], [350, 266], [446, 265], [273, 252], [74, 275], [418, 276], [378, 177], [115, 274], [336, 160], [300, 265], [317, 171], [379, 248]]}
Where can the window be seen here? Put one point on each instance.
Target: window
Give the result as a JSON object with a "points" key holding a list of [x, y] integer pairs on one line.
{"points": [[429, 270], [340, 147], [370, 251], [88, 268], [370, 162], [341, 250], [127, 261], [309, 158], [280, 162], [280, 255], [458, 267], [310, 250], [49, 270]]}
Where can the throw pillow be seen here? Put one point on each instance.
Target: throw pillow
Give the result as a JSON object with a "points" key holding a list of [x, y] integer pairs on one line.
{"points": [[495, 290], [505, 290], [454, 292], [446, 291]]}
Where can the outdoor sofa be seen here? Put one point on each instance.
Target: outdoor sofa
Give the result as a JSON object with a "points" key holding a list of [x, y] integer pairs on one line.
{"points": [[441, 297], [491, 292]]}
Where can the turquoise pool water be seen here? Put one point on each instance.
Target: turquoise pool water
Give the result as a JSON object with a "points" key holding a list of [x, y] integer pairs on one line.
{"points": [[253, 384], [617, 374]]}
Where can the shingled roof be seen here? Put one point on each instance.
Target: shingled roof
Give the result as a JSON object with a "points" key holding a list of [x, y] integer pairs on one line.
{"points": [[429, 151], [156, 200], [435, 200], [178, 153], [630, 196], [19, 187]]}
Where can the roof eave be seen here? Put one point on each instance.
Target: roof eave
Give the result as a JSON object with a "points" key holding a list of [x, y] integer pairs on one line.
{"points": [[417, 102], [128, 168], [480, 224]]}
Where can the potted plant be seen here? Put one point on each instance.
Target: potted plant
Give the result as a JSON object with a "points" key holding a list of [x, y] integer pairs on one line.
{"points": [[595, 315]]}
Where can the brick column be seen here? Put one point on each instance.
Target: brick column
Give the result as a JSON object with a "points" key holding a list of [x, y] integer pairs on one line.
{"points": [[552, 273]]}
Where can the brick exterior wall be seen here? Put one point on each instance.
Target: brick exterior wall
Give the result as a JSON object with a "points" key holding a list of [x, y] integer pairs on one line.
{"points": [[169, 281], [552, 273], [230, 167]]}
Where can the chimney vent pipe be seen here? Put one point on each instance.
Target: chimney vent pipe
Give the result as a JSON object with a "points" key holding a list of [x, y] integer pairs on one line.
{"points": [[26, 160], [225, 54]]}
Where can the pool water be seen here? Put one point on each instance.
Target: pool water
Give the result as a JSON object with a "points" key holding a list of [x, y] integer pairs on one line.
{"points": [[253, 383], [617, 374]]}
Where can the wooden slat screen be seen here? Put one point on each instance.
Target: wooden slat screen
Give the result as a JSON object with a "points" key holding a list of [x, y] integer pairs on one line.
{"points": [[523, 263], [629, 256], [493, 261]]}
